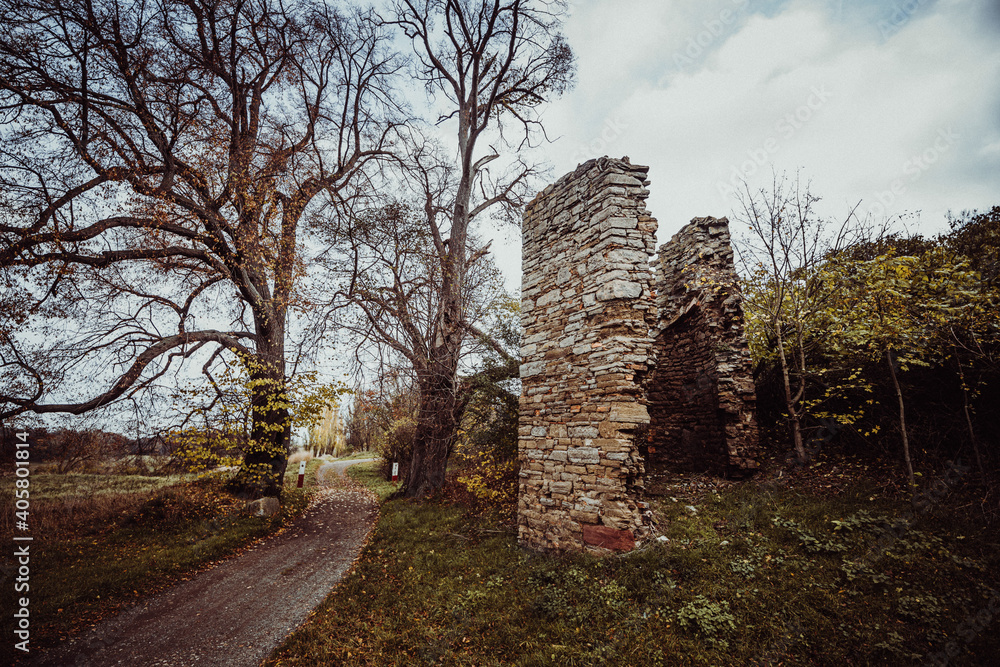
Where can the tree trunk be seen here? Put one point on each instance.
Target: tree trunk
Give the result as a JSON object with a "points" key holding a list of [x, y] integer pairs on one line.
{"points": [[437, 427], [438, 418], [902, 419], [266, 456], [794, 419], [968, 417]]}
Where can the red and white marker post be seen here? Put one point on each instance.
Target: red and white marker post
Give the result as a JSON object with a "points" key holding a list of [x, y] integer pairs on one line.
{"points": [[395, 472], [302, 474]]}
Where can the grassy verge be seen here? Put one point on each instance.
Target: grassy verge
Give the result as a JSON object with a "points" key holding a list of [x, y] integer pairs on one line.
{"points": [[368, 475], [47, 486], [756, 574], [108, 543]]}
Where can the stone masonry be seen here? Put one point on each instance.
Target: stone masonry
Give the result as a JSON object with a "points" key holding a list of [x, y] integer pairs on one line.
{"points": [[701, 396], [592, 337], [587, 311]]}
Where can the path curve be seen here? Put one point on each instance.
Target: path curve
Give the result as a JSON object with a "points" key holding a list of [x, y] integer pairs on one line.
{"points": [[237, 612]]}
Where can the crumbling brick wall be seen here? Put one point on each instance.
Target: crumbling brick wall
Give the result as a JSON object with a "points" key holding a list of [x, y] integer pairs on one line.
{"points": [[587, 311], [701, 396], [588, 367]]}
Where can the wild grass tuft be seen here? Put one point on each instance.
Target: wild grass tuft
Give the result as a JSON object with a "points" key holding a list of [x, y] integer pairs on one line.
{"points": [[299, 456]]}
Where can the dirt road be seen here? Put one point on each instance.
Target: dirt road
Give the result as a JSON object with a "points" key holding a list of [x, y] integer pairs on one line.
{"points": [[237, 612]]}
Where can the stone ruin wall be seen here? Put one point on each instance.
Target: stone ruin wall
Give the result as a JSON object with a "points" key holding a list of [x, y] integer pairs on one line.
{"points": [[593, 330], [701, 396], [587, 310]]}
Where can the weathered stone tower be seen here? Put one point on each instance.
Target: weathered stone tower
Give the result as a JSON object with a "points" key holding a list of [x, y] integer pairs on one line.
{"points": [[597, 350], [587, 310], [701, 396]]}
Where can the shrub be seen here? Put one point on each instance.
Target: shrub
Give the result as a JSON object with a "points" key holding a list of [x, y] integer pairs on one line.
{"points": [[710, 620], [396, 445], [196, 450]]}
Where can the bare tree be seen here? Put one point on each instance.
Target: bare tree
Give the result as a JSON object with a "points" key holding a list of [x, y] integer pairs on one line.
{"points": [[782, 257], [391, 277], [158, 163], [72, 449], [490, 64]]}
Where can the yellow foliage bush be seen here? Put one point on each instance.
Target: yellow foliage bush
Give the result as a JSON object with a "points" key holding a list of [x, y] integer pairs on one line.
{"points": [[491, 480], [198, 451]]}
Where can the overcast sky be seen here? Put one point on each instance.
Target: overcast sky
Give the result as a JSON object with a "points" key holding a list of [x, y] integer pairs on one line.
{"points": [[896, 104]]}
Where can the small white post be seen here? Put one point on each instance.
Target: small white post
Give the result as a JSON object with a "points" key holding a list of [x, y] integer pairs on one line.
{"points": [[302, 474]]}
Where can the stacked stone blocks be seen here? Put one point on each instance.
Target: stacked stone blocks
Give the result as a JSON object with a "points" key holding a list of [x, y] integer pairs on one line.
{"points": [[701, 396], [587, 311], [600, 345]]}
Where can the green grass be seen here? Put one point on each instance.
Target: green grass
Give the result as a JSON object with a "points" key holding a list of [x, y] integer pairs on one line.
{"points": [[358, 455], [760, 573], [368, 475], [46, 486], [123, 539]]}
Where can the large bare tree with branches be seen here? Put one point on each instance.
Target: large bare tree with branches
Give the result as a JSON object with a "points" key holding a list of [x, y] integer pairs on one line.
{"points": [[390, 276], [490, 65], [160, 161]]}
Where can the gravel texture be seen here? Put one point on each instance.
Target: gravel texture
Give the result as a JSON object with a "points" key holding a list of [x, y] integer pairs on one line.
{"points": [[237, 612]]}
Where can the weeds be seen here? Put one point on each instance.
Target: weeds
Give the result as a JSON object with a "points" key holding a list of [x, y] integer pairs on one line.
{"points": [[760, 575], [708, 619]]}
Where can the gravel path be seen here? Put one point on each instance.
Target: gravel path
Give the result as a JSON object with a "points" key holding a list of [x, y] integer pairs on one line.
{"points": [[238, 611]]}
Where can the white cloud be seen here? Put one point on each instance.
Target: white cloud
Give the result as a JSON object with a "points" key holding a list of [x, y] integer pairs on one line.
{"points": [[991, 150], [854, 103]]}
